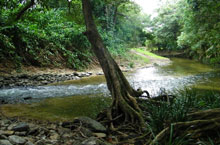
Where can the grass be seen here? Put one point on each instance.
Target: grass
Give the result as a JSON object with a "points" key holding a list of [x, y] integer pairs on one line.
{"points": [[139, 58], [131, 60], [187, 101], [148, 53]]}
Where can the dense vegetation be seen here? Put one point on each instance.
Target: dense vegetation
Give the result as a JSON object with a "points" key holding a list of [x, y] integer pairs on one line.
{"points": [[50, 33], [192, 26]]}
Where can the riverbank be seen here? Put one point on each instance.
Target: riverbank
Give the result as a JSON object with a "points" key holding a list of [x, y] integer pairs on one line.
{"points": [[80, 131], [33, 76]]}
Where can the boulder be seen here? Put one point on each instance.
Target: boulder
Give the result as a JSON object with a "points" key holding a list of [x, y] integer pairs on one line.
{"points": [[90, 123]]}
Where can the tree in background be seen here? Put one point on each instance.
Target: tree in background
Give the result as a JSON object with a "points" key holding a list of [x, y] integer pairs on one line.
{"points": [[201, 26], [165, 28], [192, 26]]}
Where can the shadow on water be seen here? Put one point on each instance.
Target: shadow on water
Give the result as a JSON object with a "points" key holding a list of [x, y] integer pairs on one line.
{"points": [[87, 96]]}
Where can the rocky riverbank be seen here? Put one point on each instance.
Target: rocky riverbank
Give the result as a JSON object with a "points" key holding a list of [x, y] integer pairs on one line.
{"points": [[40, 79], [81, 131]]}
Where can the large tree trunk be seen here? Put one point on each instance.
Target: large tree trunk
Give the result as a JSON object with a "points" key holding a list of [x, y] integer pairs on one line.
{"points": [[124, 104]]}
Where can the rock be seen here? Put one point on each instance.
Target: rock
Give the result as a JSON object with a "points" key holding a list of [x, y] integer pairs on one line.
{"points": [[7, 132], [90, 123], [52, 126], [86, 131], [155, 64], [33, 131], [76, 74], [1, 79], [82, 74], [99, 135], [27, 98], [66, 135], [100, 73], [21, 127], [44, 82], [23, 76], [29, 143], [16, 139], [40, 78], [94, 141], [69, 125], [5, 142], [89, 141], [3, 137], [54, 136], [40, 142], [23, 133], [12, 126], [90, 73]]}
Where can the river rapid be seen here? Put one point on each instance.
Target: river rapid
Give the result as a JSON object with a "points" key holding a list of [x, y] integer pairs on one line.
{"points": [[92, 92]]}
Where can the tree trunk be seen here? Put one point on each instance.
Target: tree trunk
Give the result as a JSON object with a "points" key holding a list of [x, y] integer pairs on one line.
{"points": [[124, 104]]}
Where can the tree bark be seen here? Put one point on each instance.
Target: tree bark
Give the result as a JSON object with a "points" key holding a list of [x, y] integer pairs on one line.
{"points": [[124, 104]]}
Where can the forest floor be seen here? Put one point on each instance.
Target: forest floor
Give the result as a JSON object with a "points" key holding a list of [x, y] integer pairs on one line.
{"points": [[132, 60]]}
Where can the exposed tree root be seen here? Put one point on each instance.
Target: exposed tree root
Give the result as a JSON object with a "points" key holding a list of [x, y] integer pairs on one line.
{"points": [[202, 124]]}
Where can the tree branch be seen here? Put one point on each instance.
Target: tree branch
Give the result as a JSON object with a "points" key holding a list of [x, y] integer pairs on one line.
{"points": [[20, 13]]}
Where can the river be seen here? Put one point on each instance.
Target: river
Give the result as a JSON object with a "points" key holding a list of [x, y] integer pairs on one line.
{"points": [[89, 95]]}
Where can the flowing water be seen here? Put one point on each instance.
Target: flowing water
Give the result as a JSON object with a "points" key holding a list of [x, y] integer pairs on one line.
{"points": [[79, 97]]}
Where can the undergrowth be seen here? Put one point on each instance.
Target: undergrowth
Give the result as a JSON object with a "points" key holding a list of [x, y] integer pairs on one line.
{"points": [[187, 101]]}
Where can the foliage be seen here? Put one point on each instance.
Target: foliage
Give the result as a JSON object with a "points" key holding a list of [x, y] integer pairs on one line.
{"points": [[51, 32], [165, 28], [190, 25], [43, 40], [187, 100], [201, 27]]}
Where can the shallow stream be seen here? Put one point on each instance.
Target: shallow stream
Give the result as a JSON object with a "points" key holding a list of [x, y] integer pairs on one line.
{"points": [[89, 95]]}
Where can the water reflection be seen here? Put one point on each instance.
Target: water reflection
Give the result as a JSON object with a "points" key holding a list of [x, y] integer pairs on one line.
{"points": [[179, 74]]}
